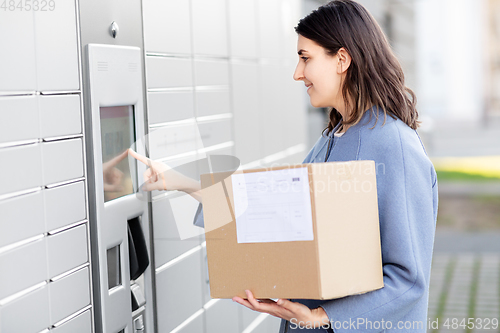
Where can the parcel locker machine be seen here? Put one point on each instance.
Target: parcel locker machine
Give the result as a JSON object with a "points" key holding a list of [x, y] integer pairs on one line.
{"points": [[119, 217]]}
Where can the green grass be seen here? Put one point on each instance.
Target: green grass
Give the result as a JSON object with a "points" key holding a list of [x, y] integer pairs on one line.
{"points": [[473, 291], [450, 267], [463, 176]]}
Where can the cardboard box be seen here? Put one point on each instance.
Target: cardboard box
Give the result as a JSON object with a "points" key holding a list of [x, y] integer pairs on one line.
{"points": [[261, 236]]}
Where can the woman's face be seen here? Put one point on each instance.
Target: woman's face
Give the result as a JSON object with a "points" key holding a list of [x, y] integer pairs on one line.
{"points": [[320, 72]]}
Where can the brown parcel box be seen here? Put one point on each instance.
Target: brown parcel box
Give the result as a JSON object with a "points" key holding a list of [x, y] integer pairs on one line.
{"points": [[344, 258]]}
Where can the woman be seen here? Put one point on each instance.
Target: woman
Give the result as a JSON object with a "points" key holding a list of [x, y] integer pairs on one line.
{"points": [[347, 65]]}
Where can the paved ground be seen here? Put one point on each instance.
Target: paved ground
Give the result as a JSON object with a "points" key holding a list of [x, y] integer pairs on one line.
{"points": [[465, 285], [465, 276]]}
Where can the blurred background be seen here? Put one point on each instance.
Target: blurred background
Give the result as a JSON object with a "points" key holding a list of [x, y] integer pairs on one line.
{"points": [[225, 67]]}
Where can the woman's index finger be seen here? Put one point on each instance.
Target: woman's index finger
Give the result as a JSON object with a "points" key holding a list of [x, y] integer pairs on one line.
{"points": [[139, 157]]}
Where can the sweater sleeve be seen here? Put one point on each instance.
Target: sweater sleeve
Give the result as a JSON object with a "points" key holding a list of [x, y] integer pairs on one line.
{"points": [[407, 202], [198, 217]]}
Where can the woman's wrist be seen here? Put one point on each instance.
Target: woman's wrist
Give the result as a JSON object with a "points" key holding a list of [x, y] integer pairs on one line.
{"points": [[189, 185], [320, 317]]}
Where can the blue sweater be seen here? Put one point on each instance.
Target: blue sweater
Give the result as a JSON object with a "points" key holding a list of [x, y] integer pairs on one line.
{"points": [[407, 201]]}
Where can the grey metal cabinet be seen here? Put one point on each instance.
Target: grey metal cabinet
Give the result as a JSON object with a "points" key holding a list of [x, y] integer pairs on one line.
{"points": [[63, 160], [29, 313], [19, 223], [69, 294], [27, 265], [23, 170], [60, 115], [19, 118]]}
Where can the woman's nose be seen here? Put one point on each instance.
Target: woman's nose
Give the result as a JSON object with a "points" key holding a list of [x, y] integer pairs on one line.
{"points": [[298, 74]]}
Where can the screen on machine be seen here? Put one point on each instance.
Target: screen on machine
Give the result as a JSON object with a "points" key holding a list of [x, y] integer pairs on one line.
{"points": [[117, 135]]}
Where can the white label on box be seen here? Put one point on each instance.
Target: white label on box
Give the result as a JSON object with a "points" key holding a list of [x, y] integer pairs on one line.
{"points": [[273, 206]]}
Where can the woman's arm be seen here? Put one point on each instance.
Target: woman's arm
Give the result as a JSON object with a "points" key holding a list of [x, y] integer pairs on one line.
{"points": [[159, 176]]}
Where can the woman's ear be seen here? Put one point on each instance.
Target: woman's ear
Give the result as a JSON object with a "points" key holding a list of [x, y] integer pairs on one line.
{"points": [[344, 60]]}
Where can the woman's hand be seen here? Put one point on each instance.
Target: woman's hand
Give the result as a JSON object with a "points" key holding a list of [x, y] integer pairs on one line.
{"points": [[285, 309], [155, 177], [159, 176]]}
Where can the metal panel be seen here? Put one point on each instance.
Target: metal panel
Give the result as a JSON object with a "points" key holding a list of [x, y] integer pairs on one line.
{"points": [[27, 266], [164, 72], [205, 277], [215, 132], [60, 115], [292, 12], [243, 29], [19, 118], [21, 168], [248, 316], [272, 129], [170, 106], [119, 84], [222, 151], [81, 324], [62, 160], [67, 250], [56, 46], [182, 281], [209, 103], [271, 324], [271, 34], [64, 205], [222, 317], [246, 103], [292, 97], [161, 19], [69, 295], [18, 222], [29, 313], [174, 140], [196, 325], [96, 17], [168, 244], [209, 27], [209, 73], [18, 65]]}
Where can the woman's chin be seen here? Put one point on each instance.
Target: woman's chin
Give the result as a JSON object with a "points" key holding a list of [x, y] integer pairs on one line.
{"points": [[316, 103]]}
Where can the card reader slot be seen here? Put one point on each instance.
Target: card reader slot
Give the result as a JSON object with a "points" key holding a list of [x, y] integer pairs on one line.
{"points": [[137, 248]]}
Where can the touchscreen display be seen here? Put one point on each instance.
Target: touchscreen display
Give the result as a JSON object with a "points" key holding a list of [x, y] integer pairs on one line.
{"points": [[117, 135]]}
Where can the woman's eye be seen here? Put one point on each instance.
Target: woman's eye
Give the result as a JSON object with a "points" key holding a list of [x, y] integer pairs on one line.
{"points": [[305, 58]]}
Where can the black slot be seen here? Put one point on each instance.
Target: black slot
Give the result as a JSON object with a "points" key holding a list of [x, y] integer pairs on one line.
{"points": [[137, 249]]}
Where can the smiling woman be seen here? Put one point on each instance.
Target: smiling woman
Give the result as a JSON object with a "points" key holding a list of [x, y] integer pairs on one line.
{"points": [[347, 65]]}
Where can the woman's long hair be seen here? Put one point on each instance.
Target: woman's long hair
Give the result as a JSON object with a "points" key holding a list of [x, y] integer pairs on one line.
{"points": [[374, 77]]}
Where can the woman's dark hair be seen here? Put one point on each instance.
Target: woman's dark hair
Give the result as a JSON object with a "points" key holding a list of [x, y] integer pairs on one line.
{"points": [[374, 77]]}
